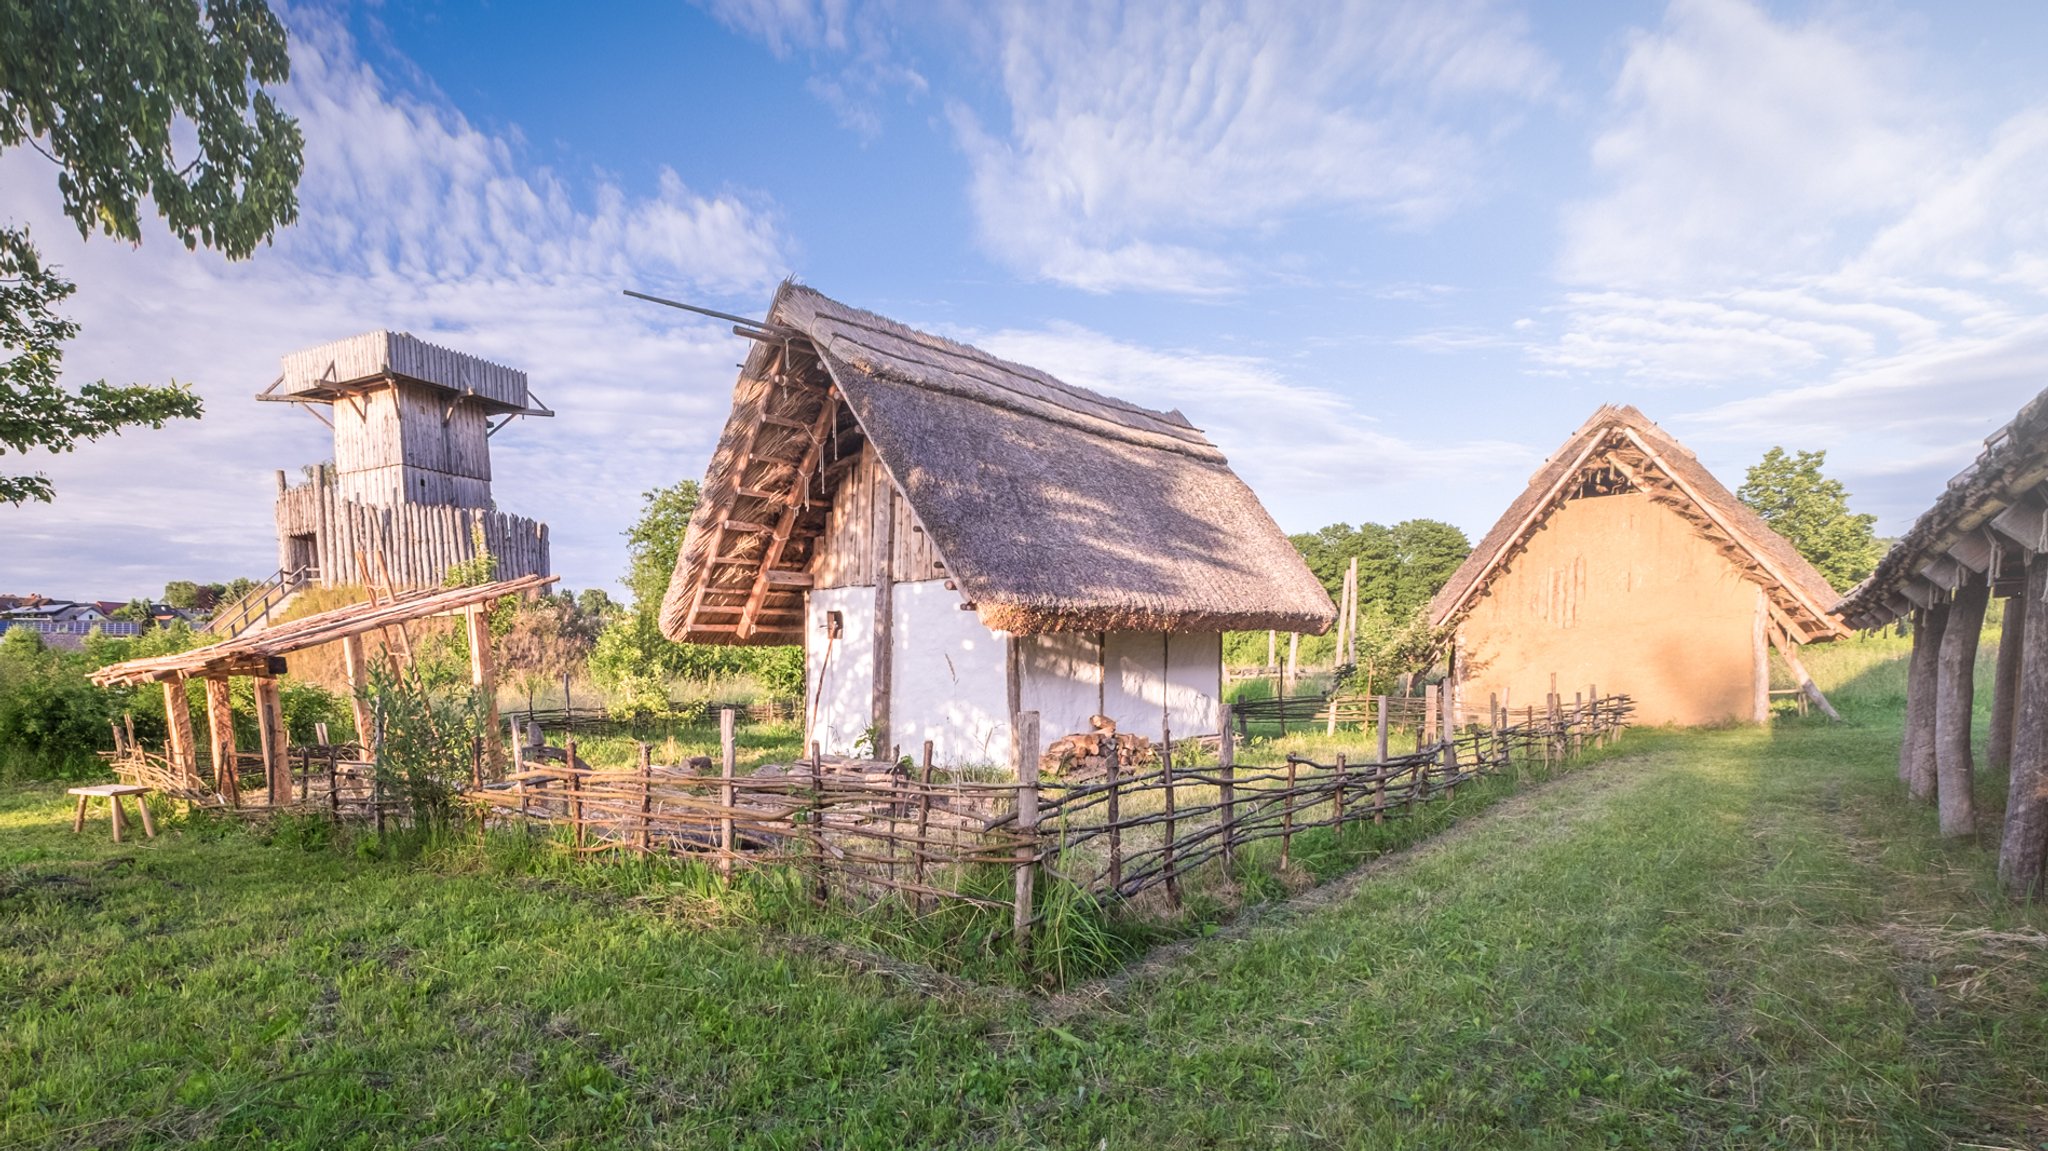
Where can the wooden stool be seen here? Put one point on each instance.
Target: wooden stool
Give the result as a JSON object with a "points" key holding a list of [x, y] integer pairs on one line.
{"points": [[113, 792]]}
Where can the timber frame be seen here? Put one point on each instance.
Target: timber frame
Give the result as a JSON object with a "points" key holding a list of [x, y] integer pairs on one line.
{"points": [[1986, 536], [261, 655]]}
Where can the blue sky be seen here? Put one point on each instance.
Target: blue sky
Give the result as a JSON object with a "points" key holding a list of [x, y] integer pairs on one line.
{"points": [[1387, 254]]}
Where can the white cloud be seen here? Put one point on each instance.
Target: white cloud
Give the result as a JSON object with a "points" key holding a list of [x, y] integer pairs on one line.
{"points": [[1143, 137], [1795, 226], [411, 218], [1313, 454]]}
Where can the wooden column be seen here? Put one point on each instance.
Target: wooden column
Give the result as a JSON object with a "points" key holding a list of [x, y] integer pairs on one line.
{"points": [[1954, 704], [184, 754], [358, 686], [220, 730], [1916, 748], [277, 768], [883, 661], [2025, 845], [2005, 689], [483, 675]]}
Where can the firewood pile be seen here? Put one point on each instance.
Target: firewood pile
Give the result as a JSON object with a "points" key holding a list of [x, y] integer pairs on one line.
{"points": [[1085, 755]]}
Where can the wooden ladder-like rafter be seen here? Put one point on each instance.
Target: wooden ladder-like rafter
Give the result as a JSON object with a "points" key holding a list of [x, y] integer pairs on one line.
{"points": [[793, 501]]}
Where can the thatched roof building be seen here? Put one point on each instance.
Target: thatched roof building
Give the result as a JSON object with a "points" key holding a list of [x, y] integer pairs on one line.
{"points": [[862, 453], [1626, 565]]}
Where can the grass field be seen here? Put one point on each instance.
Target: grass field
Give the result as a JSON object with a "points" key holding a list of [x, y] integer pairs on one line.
{"points": [[1735, 938]]}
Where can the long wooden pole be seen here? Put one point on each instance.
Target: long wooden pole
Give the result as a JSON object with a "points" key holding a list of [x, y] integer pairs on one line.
{"points": [[220, 730], [728, 761], [2005, 689], [1226, 789], [1923, 677], [1166, 779]]}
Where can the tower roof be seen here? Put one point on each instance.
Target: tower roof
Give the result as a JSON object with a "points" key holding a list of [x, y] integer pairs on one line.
{"points": [[330, 371]]}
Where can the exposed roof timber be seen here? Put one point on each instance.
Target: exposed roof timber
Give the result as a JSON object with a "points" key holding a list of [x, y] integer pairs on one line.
{"points": [[1942, 572], [828, 411], [1974, 552], [2025, 523], [1921, 593]]}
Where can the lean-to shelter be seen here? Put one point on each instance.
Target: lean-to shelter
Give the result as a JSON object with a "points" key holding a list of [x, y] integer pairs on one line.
{"points": [[954, 538], [1625, 565]]}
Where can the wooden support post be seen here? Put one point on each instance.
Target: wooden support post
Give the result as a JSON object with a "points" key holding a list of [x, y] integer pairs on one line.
{"points": [[1760, 657], [882, 657], [1172, 826], [1024, 752], [1226, 790], [1112, 758], [1379, 790], [277, 768], [2024, 847], [1789, 652], [483, 676], [2005, 689], [1923, 678], [184, 755], [1287, 819], [1955, 701], [646, 798], [1293, 660], [220, 732], [728, 764], [358, 686]]}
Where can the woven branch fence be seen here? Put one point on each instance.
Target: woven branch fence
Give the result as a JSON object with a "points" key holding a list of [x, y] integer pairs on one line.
{"points": [[865, 827]]}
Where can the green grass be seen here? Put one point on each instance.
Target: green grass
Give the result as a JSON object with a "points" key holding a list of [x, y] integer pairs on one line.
{"points": [[1738, 938]]}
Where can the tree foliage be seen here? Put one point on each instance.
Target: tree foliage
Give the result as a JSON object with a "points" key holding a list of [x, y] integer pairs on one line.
{"points": [[131, 100], [1399, 567], [1812, 511], [634, 658]]}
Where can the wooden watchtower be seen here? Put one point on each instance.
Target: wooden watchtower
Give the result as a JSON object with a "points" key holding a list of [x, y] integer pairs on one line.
{"points": [[410, 485]]}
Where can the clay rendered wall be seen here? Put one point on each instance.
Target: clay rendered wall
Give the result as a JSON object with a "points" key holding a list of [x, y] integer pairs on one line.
{"points": [[1619, 593], [839, 674], [951, 679]]}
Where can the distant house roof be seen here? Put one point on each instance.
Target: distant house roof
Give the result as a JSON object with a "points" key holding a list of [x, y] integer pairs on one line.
{"points": [[1054, 508], [1650, 460], [1987, 520]]}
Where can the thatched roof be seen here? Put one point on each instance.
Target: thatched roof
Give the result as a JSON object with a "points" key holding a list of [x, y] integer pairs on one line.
{"points": [[257, 652], [1620, 445], [1054, 508], [1985, 522]]}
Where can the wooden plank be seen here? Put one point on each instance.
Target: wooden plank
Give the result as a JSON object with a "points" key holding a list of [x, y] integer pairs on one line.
{"points": [[883, 662], [2024, 524]]}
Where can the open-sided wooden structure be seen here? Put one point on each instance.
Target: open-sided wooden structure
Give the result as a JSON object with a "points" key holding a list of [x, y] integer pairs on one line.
{"points": [[955, 539], [411, 480], [1983, 538], [1626, 565], [261, 655]]}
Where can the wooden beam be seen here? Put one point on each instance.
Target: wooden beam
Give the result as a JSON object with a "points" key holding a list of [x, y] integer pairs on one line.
{"points": [[782, 578], [1942, 572], [2024, 845], [1973, 552], [1922, 594], [2005, 688], [883, 650], [1788, 650], [745, 451], [356, 672], [1923, 673], [220, 731], [778, 540]]}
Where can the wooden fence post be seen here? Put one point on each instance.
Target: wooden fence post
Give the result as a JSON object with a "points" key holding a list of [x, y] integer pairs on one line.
{"points": [[646, 796], [1338, 800], [924, 819], [1226, 787], [1382, 726], [1114, 815], [575, 783], [1166, 778], [1024, 753], [819, 891], [728, 761], [1287, 818]]}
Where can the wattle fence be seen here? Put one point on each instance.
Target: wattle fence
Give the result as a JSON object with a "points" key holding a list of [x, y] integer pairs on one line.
{"points": [[868, 827]]}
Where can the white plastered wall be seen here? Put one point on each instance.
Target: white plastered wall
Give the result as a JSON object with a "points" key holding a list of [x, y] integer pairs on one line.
{"points": [[1194, 683], [951, 678], [1151, 682], [1061, 679], [839, 674]]}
